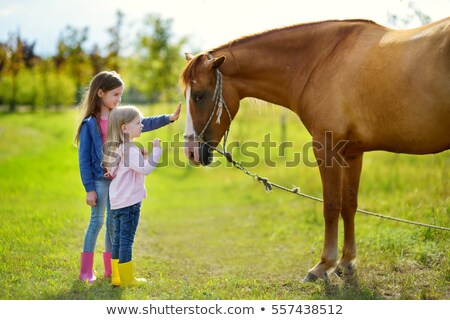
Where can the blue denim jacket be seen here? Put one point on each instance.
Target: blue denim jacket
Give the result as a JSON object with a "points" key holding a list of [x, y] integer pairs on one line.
{"points": [[90, 153]]}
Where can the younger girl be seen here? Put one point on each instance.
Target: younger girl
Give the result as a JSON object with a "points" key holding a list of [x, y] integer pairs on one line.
{"points": [[129, 166], [103, 95]]}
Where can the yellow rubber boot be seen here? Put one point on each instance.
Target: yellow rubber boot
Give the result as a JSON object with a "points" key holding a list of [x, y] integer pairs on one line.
{"points": [[115, 278], [126, 273]]}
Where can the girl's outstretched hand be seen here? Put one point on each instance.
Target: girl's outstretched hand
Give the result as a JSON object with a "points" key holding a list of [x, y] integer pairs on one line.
{"points": [[174, 116], [156, 143]]}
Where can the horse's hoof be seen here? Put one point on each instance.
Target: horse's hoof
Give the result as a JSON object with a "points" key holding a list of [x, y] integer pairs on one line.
{"points": [[338, 272], [348, 270], [310, 277]]}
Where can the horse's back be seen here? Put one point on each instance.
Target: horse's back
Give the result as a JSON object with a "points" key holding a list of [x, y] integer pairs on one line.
{"points": [[393, 88]]}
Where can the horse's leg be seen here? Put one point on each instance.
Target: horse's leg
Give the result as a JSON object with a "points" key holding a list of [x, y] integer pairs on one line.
{"points": [[331, 174], [350, 185]]}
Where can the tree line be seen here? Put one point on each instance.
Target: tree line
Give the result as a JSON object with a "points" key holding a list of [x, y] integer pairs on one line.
{"points": [[150, 72]]}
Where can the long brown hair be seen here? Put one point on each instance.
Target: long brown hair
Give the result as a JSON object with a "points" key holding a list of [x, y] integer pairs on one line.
{"points": [[91, 103]]}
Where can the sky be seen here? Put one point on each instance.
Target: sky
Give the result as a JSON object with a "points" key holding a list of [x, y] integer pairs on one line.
{"points": [[206, 23]]}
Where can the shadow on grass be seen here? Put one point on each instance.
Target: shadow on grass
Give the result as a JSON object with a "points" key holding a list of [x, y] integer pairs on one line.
{"points": [[336, 288], [99, 290], [345, 288], [348, 288]]}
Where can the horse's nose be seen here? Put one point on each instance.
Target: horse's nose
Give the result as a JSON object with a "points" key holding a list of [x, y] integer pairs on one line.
{"points": [[191, 151]]}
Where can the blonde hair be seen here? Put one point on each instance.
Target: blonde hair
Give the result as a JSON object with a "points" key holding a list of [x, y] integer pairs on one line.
{"points": [[91, 102], [118, 117]]}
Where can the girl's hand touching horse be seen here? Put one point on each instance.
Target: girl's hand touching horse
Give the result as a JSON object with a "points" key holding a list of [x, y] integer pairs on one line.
{"points": [[174, 116]]}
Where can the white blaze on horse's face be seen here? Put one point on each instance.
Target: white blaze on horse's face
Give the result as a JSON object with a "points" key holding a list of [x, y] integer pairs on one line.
{"points": [[191, 150], [189, 129]]}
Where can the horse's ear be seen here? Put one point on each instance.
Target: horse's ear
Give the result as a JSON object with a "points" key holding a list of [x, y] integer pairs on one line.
{"points": [[217, 62], [189, 56]]}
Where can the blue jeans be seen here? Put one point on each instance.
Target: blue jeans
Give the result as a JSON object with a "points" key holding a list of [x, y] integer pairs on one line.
{"points": [[97, 218], [125, 223]]}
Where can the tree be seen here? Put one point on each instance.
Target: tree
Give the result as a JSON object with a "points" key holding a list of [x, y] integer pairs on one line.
{"points": [[16, 64], [114, 47], [45, 67], [96, 60], [158, 60], [4, 53], [412, 14], [31, 60], [71, 52]]}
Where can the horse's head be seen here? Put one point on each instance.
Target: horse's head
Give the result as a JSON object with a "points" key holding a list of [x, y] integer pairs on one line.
{"points": [[210, 106]]}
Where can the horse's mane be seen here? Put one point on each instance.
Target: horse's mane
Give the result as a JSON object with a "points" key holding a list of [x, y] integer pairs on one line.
{"points": [[287, 28], [188, 72]]}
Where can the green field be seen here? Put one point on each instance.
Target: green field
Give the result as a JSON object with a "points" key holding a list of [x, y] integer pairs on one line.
{"points": [[214, 233]]}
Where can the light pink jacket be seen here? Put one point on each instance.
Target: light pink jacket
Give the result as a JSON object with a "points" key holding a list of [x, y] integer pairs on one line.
{"points": [[127, 187]]}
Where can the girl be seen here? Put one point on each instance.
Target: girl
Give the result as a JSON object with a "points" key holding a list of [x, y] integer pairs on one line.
{"points": [[129, 166], [103, 95]]}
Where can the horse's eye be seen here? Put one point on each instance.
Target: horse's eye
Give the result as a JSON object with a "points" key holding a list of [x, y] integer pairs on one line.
{"points": [[198, 97]]}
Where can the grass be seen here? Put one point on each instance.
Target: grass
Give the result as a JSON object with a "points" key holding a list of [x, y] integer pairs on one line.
{"points": [[214, 233]]}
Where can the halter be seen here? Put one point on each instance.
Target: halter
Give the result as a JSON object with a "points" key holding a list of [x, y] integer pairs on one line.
{"points": [[218, 106]]}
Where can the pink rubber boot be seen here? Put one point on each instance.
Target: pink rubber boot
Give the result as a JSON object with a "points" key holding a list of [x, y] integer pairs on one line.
{"points": [[107, 262], [87, 261]]}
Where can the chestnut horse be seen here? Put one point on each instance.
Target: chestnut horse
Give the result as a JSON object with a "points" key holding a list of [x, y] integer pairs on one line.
{"points": [[372, 87]]}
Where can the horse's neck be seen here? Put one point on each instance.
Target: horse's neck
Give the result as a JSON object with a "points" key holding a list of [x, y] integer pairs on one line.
{"points": [[264, 66]]}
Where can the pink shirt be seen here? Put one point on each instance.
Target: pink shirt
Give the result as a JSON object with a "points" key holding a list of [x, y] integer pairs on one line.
{"points": [[127, 187], [104, 129]]}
